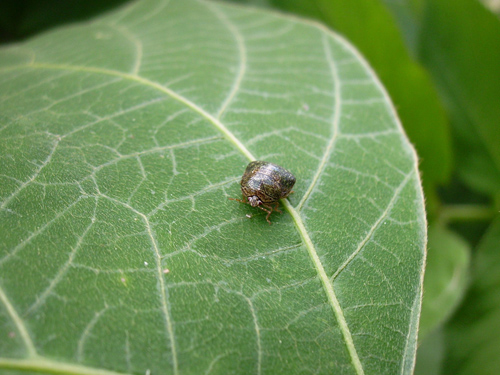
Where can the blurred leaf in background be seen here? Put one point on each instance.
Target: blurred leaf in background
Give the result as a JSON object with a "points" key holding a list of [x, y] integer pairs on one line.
{"points": [[460, 45], [22, 18], [446, 277], [473, 335], [493, 5], [457, 41], [430, 354]]}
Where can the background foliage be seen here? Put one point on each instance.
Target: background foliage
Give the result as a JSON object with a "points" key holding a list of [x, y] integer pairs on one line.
{"points": [[440, 62]]}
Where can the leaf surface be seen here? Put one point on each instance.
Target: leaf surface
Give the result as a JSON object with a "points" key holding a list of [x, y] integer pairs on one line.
{"points": [[121, 141], [372, 28]]}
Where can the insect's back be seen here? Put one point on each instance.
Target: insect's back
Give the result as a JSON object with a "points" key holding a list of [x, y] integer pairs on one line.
{"points": [[268, 181]]}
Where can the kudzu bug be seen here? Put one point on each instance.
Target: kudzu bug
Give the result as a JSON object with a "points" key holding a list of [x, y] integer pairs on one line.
{"points": [[265, 183]]}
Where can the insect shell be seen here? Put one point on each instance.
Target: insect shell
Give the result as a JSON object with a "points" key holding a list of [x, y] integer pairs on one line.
{"points": [[263, 184]]}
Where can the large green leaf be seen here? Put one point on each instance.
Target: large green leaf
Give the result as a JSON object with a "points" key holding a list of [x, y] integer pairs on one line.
{"points": [[121, 141]]}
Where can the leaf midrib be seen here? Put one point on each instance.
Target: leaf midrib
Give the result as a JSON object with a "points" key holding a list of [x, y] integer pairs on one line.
{"points": [[44, 365], [327, 284]]}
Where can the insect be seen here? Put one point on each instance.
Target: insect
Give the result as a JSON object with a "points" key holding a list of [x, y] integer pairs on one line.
{"points": [[263, 184]]}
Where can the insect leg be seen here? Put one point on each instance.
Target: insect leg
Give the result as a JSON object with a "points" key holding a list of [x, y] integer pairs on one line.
{"points": [[268, 211], [240, 200]]}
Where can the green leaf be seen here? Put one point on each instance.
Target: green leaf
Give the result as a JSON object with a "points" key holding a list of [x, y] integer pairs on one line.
{"points": [[446, 276], [371, 27], [474, 334], [464, 61], [408, 15], [121, 141]]}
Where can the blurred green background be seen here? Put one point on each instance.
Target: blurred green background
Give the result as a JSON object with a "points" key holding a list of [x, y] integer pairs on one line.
{"points": [[440, 62]]}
